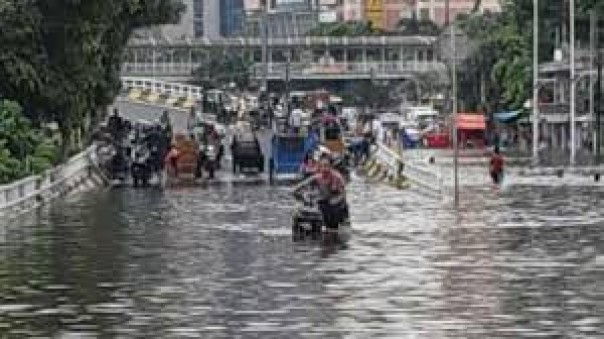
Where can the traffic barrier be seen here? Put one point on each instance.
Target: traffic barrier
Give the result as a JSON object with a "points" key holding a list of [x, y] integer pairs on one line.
{"points": [[180, 102], [395, 172], [386, 167]]}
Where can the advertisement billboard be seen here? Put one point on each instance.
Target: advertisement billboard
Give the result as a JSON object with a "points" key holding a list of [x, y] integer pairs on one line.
{"points": [[328, 16], [287, 5]]}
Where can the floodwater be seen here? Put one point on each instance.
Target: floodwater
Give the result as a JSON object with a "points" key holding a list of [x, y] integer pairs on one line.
{"points": [[219, 262]]}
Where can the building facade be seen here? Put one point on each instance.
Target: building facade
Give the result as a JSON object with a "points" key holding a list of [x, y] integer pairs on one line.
{"points": [[284, 17], [352, 10], [554, 101], [437, 11], [232, 17]]}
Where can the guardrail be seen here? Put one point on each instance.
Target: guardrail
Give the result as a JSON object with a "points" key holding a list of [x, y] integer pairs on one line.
{"points": [[25, 194], [419, 176]]}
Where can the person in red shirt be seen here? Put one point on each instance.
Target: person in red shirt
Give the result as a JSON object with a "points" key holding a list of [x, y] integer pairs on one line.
{"points": [[332, 193], [172, 159], [496, 166]]}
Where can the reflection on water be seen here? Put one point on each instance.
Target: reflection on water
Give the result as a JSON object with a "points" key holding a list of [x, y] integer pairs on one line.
{"points": [[219, 262]]}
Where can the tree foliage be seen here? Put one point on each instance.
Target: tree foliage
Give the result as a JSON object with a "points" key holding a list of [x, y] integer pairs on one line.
{"points": [[345, 29], [220, 68], [61, 58], [497, 74], [23, 149], [413, 26]]}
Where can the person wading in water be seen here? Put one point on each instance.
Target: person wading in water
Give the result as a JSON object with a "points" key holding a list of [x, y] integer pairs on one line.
{"points": [[496, 166]]}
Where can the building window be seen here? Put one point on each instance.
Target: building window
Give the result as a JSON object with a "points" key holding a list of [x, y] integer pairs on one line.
{"points": [[198, 29], [424, 14]]}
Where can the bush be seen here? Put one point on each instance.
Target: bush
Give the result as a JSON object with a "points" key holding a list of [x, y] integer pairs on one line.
{"points": [[23, 149]]}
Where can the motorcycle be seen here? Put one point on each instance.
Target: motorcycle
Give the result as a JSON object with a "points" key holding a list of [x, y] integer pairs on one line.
{"points": [[316, 212], [141, 171], [208, 160], [118, 165], [307, 219]]}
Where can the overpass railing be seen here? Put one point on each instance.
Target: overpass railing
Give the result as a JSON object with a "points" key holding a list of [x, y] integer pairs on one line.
{"points": [[361, 68], [379, 69], [291, 41]]}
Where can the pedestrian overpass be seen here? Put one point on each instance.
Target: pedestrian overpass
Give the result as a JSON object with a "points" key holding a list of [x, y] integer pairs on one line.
{"points": [[301, 58]]}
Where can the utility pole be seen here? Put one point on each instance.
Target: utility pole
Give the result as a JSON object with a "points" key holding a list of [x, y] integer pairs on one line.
{"points": [[535, 82], [592, 51], [573, 87], [287, 83], [455, 116], [264, 34], [598, 99]]}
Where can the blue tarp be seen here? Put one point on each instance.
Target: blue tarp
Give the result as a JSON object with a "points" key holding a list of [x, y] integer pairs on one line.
{"points": [[408, 141], [507, 116]]}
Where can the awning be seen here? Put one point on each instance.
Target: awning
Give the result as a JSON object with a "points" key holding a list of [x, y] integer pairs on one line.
{"points": [[506, 117], [470, 122]]}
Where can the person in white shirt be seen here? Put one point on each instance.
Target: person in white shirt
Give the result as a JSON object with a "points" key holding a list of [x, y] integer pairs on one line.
{"points": [[295, 119]]}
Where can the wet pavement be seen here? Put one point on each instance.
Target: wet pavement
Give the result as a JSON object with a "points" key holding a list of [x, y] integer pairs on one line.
{"points": [[219, 262], [138, 111]]}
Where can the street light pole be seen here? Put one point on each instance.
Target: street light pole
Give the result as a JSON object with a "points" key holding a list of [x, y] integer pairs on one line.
{"points": [[535, 81], [265, 45], [592, 48], [573, 85], [455, 116], [598, 139], [598, 99], [287, 83]]}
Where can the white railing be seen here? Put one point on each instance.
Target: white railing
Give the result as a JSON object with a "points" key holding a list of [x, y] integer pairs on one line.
{"points": [[309, 41], [390, 159], [158, 86], [365, 69], [420, 176], [45, 185]]}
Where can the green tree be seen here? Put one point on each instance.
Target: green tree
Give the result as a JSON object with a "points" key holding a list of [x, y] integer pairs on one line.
{"points": [[61, 58], [23, 149], [345, 29], [222, 68], [413, 26]]}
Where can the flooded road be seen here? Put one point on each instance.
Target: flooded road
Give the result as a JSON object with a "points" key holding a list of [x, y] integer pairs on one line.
{"points": [[219, 262]]}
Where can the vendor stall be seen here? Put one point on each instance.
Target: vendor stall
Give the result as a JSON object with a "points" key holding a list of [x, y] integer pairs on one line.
{"points": [[470, 130]]}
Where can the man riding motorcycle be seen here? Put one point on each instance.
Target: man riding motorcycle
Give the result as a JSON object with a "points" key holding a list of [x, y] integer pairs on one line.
{"points": [[332, 193]]}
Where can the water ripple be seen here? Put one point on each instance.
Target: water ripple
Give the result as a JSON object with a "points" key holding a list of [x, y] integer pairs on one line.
{"points": [[218, 262]]}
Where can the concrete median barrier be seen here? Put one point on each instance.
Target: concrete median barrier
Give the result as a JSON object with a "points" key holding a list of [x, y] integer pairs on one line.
{"points": [[385, 166], [146, 97]]}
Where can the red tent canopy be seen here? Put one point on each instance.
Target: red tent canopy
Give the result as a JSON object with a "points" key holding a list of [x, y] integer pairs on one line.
{"points": [[465, 121]]}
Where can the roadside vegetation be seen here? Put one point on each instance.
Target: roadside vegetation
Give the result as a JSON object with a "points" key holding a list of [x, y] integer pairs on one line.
{"points": [[60, 62], [498, 71]]}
